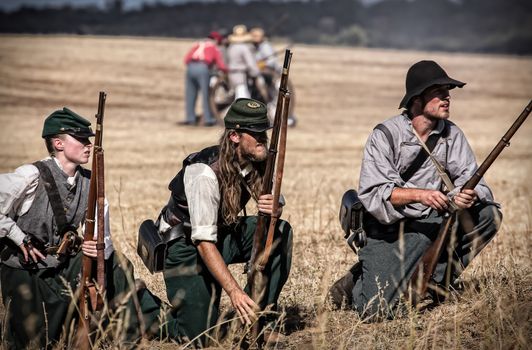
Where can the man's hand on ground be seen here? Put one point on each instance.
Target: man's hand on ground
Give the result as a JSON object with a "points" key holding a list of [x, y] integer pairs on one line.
{"points": [[244, 305]]}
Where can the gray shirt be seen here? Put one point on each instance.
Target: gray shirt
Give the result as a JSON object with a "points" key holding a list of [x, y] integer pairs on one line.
{"points": [[382, 164], [265, 52], [241, 62]]}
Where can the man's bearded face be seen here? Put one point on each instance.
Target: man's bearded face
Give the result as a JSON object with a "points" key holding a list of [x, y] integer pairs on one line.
{"points": [[252, 146]]}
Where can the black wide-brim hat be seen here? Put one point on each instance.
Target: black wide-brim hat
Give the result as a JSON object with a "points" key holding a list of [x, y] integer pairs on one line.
{"points": [[423, 75]]}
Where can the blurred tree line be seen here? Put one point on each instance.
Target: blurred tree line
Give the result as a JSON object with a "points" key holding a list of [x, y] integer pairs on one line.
{"points": [[501, 26]]}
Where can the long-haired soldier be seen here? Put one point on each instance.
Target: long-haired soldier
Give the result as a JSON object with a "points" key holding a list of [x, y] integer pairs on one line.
{"points": [[203, 215]]}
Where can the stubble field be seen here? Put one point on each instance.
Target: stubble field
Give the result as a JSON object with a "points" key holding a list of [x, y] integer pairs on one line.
{"points": [[342, 93]]}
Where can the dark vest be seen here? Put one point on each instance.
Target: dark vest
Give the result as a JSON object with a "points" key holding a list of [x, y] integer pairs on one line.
{"points": [[39, 221], [177, 208]]}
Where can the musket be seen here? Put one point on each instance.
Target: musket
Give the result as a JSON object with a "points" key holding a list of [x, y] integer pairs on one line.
{"points": [[419, 281], [90, 291], [274, 54], [265, 230]]}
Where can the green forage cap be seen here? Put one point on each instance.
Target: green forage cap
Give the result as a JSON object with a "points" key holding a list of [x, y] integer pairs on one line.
{"points": [[247, 114], [65, 121]]}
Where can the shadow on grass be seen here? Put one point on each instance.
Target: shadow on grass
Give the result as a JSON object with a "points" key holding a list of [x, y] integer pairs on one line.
{"points": [[296, 319]]}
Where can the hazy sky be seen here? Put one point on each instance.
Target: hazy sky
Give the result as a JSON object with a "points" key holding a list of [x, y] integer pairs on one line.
{"points": [[12, 5]]}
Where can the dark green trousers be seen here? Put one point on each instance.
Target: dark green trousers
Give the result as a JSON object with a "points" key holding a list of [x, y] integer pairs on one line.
{"points": [[388, 263], [195, 294], [37, 302]]}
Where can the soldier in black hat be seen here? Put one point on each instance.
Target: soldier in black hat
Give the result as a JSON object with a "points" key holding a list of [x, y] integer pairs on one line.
{"points": [[37, 282], [405, 196], [207, 196]]}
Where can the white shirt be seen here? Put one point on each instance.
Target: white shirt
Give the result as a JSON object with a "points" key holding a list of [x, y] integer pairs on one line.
{"points": [[203, 197], [17, 192]]}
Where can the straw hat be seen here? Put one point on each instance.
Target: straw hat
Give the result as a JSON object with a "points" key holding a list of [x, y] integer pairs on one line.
{"points": [[240, 34]]}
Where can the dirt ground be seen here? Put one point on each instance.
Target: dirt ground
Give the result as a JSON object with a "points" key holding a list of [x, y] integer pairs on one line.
{"points": [[342, 93]]}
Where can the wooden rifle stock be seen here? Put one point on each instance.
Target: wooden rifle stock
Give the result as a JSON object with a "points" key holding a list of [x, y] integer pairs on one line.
{"points": [[90, 294], [266, 223], [420, 279], [263, 259]]}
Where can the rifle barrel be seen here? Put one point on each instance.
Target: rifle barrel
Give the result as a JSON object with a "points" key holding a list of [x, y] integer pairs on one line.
{"points": [[420, 279], [95, 195], [504, 142], [99, 120], [256, 278]]}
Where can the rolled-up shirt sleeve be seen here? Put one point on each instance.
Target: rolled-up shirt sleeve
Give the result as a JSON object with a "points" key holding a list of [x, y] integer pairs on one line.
{"points": [[378, 177], [203, 198], [17, 192]]}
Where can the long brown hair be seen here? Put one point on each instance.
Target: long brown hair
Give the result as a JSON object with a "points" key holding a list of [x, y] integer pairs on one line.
{"points": [[229, 177]]}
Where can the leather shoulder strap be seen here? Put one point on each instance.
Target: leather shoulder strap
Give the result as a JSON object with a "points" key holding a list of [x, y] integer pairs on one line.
{"points": [[387, 133], [53, 195], [422, 156]]}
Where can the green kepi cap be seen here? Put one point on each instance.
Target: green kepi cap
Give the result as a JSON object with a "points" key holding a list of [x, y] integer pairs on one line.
{"points": [[65, 121], [247, 114]]}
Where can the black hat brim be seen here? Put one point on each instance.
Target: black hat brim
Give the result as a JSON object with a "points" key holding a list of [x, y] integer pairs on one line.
{"points": [[85, 134], [254, 129], [82, 134], [442, 81]]}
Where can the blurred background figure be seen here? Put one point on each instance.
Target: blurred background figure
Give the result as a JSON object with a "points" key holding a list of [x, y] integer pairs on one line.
{"points": [[242, 64], [253, 71], [270, 69], [264, 53], [223, 44], [201, 58]]}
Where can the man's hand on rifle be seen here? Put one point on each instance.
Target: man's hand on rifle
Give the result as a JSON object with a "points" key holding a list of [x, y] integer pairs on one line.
{"points": [[465, 199], [434, 199], [89, 248], [265, 205], [431, 198], [29, 251], [244, 305]]}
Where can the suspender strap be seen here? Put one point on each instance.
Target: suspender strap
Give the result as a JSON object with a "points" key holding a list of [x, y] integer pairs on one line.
{"points": [[421, 157], [53, 195], [246, 186], [388, 135]]}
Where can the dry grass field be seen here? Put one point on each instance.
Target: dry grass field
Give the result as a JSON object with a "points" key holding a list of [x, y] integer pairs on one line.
{"points": [[342, 93]]}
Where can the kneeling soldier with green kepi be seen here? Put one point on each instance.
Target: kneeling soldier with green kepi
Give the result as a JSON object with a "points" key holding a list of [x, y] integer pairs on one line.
{"points": [[41, 207], [207, 233]]}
